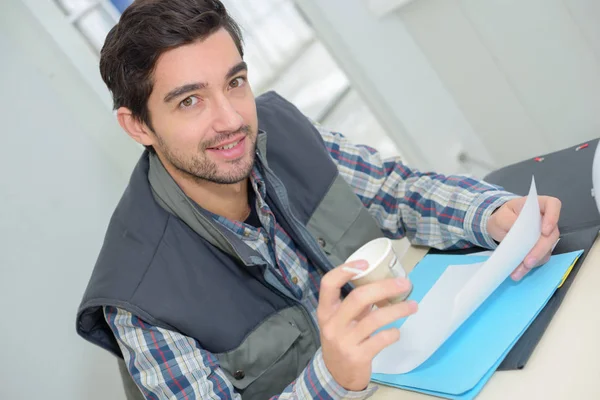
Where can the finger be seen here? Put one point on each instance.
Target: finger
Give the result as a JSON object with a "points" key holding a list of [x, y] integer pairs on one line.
{"points": [[544, 260], [363, 314], [367, 310], [380, 318], [367, 295], [543, 246], [372, 346], [550, 209], [523, 270], [519, 272], [331, 287]]}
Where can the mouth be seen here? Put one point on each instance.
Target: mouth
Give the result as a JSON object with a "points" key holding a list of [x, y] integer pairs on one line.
{"points": [[227, 146], [231, 150]]}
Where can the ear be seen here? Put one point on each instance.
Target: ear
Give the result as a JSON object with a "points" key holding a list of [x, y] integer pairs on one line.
{"points": [[135, 128]]}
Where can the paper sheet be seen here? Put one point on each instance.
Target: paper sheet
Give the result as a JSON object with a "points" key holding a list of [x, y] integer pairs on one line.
{"points": [[485, 253], [459, 291]]}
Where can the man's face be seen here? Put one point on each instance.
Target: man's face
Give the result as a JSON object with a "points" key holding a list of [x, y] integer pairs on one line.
{"points": [[203, 111]]}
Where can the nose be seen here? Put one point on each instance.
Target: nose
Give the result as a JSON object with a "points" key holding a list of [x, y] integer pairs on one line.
{"points": [[226, 117]]}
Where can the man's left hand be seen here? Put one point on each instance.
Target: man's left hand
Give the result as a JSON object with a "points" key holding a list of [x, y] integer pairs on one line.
{"points": [[504, 218]]}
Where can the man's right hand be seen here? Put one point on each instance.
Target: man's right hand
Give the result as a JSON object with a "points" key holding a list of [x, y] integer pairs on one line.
{"points": [[347, 326]]}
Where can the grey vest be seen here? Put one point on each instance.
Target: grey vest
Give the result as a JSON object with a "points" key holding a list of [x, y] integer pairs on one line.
{"points": [[155, 266]]}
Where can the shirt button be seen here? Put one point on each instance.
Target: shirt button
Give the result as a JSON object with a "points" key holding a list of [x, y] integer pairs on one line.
{"points": [[321, 242], [246, 232], [239, 374], [295, 280]]}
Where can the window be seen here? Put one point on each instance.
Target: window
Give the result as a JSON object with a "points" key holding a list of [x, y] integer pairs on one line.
{"points": [[282, 53]]}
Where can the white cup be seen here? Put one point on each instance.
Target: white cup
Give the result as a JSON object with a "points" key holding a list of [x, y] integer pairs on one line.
{"points": [[383, 264]]}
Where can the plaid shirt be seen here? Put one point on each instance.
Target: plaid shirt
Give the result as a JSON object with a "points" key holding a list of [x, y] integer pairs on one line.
{"points": [[431, 210]]}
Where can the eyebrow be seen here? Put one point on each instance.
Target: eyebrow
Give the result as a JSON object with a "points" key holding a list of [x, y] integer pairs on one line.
{"points": [[239, 67], [178, 91], [190, 87]]}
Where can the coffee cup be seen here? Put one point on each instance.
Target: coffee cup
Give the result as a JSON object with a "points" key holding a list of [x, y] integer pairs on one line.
{"points": [[383, 264]]}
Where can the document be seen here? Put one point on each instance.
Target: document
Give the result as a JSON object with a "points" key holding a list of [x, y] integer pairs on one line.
{"points": [[459, 291]]}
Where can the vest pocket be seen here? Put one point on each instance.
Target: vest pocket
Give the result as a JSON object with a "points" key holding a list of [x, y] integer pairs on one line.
{"points": [[266, 361], [341, 223]]}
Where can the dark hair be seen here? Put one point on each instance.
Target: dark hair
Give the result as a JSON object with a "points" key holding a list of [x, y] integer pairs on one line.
{"points": [[146, 30]]}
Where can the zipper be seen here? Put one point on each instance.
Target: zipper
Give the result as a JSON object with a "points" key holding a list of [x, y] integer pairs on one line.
{"points": [[282, 201]]}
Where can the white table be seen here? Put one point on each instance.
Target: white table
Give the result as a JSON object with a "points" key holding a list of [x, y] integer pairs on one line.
{"points": [[566, 361]]}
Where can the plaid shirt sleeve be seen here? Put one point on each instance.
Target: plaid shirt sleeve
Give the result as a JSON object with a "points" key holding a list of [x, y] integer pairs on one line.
{"points": [[168, 365], [444, 212]]}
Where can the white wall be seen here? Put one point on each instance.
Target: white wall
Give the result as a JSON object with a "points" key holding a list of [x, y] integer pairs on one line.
{"points": [[503, 80], [64, 163], [389, 69], [525, 73]]}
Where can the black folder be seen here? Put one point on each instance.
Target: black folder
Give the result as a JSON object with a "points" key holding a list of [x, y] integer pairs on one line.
{"points": [[566, 174]]}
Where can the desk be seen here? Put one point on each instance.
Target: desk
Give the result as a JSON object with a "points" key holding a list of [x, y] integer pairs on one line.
{"points": [[564, 365]]}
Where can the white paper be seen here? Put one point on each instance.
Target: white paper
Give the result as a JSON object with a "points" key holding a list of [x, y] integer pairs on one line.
{"points": [[459, 291], [486, 253], [596, 177], [481, 253]]}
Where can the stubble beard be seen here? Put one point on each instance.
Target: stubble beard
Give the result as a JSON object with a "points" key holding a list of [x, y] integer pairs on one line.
{"points": [[201, 168]]}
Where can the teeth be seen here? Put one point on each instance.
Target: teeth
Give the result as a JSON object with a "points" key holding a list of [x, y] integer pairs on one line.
{"points": [[229, 146]]}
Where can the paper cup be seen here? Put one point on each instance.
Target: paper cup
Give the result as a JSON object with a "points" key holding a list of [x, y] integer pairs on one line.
{"points": [[383, 264]]}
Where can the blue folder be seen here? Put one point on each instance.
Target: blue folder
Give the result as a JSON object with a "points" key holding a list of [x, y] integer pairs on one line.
{"points": [[466, 361]]}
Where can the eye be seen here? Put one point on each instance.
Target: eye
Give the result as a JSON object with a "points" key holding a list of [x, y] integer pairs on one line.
{"points": [[188, 102], [237, 82]]}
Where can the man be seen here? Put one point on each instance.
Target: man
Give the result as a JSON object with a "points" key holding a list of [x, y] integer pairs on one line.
{"points": [[218, 276]]}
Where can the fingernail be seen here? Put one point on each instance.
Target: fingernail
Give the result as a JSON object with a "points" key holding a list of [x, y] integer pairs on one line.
{"points": [[412, 305], [530, 262], [360, 264], [403, 283], [519, 273], [355, 271]]}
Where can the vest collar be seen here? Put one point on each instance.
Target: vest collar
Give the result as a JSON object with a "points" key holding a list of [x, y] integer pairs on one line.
{"points": [[171, 197]]}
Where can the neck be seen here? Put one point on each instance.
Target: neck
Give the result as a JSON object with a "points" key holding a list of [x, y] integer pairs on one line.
{"points": [[227, 200]]}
